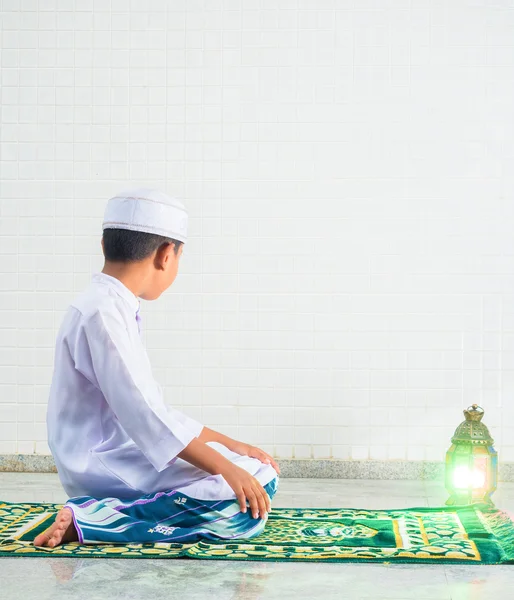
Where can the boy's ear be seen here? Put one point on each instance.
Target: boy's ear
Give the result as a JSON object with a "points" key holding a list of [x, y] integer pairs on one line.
{"points": [[103, 246], [163, 256]]}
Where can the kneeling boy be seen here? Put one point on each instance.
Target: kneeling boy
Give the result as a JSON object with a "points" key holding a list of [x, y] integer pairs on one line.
{"points": [[135, 470]]}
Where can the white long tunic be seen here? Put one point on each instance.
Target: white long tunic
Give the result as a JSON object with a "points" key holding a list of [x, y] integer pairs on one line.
{"points": [[108, 427]]}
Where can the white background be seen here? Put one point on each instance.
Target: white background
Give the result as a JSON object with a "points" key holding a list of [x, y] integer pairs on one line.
{"points": [[348, 284]]}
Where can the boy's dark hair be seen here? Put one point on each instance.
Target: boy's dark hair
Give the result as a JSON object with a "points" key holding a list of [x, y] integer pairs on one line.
{"points": [[123, 245]]}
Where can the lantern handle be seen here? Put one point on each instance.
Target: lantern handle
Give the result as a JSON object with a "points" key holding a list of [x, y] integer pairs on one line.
{"points": [[474, 413]]}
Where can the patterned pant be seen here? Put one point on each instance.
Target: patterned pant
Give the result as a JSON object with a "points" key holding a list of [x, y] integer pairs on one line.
{"points": [[163, 517]]}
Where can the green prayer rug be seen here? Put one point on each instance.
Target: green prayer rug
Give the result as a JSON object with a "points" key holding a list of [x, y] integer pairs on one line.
{"points": [[477, 534]]}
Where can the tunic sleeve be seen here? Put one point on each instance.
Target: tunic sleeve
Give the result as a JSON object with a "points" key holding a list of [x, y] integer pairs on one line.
{"points": [[132, 393], [192, 424]]}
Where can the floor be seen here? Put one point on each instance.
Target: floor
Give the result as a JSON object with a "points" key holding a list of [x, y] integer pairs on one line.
{"points": [[74, 579]]}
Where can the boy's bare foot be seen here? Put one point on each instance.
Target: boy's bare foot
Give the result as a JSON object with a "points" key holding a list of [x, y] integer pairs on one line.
{"points": [[62, 531]]}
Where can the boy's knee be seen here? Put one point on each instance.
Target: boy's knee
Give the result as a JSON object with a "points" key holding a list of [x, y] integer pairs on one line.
{"points": [[256, 528], [271, 487]]}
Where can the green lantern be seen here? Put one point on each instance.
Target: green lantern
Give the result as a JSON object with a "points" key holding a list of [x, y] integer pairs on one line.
{"points": [[471, 461]]}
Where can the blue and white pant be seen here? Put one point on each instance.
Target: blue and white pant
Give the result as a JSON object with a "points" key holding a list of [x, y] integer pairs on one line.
{"points": [[163, 517]]}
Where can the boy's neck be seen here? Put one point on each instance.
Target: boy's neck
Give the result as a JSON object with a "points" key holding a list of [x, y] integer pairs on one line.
{"points": [[132, 275]]}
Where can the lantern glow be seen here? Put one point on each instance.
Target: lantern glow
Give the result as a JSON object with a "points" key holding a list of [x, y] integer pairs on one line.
{"points": [[471, 461], [463, 478]]}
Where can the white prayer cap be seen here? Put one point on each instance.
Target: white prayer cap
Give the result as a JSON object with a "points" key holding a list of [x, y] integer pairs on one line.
{"points": [[151, 211]]}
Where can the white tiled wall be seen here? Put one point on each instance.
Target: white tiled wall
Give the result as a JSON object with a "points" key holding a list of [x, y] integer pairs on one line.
{"points": [[348, 286]]}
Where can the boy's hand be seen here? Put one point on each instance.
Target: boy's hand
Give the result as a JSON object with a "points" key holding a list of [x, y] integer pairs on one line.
{"points": [[248, 488], [209, 435], [244, 485], [253, 452]]}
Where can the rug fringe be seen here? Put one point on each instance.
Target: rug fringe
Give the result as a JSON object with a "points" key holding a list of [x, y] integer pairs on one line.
{"points": [[501, 526]]}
